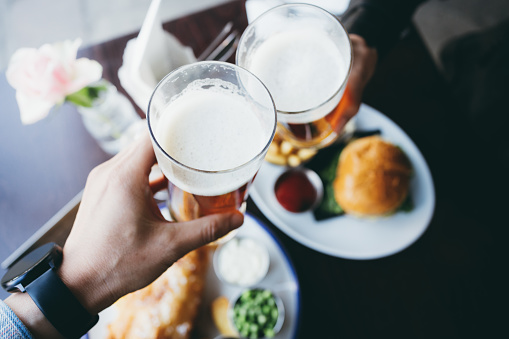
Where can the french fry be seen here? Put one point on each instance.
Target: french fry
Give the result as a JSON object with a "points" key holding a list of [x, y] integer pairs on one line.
{"points": [[294, 160], [220, 316], [276, 159], [306, 153], [273, 148], [286, 148], [283, 153]]}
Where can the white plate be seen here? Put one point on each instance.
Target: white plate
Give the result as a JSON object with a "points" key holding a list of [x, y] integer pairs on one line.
{"points": [[347, 236], [281, 279]]}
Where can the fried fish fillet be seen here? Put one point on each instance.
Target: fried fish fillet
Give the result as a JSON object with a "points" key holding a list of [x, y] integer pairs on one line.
{"points": [[166, 308]]}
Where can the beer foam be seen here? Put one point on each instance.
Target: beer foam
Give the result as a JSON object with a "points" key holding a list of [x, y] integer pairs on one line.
{"points": [[212, 129], [302, 68]]}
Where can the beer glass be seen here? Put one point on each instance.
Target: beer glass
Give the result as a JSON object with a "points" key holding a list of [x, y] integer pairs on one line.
{"points": [[211, 124], [303, 55]]}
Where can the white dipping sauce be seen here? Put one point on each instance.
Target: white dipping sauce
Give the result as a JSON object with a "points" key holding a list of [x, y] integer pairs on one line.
{"points": [[242, 261]]}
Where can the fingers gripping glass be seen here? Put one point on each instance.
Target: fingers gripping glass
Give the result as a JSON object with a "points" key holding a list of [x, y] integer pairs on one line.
{"points": [[303, 55], [211, 124]]}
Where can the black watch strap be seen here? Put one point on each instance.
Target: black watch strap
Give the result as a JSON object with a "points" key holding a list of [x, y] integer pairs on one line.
{"points": [[60, 306]]}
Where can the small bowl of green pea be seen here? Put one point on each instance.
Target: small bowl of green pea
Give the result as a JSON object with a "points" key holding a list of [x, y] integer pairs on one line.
{"points": [[257, 313]]}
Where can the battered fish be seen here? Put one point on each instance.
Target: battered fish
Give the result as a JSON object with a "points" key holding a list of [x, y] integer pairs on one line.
{"points": [[166, 308]]}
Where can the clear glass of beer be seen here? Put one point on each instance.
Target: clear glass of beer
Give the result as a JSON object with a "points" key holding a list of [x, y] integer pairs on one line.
{"points": [[303, 55], [211, 124]]}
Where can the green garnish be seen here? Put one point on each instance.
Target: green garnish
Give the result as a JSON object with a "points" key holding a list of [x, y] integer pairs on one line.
{"points": [[407, 205], [255, 314], [325, 164]]}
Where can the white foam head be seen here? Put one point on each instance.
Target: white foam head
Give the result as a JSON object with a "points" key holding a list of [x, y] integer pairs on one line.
{"points": [[210, 128], [303, 55], [301, 68]]}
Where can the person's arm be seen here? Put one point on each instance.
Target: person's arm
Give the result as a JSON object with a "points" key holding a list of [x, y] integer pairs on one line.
{"points": [[363, 67], [379, 22], [374, 27], [120, 242]]}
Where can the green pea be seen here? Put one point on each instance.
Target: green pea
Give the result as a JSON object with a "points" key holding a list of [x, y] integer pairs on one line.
{"points": [[255, 314], [269, 333]]}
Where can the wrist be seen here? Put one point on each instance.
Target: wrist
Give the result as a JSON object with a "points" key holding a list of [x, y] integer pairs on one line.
{"points": [[84, 284], [36, 283], [31, 316]]}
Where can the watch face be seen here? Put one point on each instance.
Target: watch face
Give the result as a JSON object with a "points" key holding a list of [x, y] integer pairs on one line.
{"points": [[31, 266]]}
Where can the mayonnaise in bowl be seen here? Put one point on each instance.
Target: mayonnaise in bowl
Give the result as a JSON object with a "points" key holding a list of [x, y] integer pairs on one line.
{"points": [[241, 261]]}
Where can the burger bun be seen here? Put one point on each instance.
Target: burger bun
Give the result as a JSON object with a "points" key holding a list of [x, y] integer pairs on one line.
{"points": [[373, 177]]}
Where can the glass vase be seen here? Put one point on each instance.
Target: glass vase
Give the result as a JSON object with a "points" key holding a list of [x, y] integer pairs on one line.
{"points": [[110, 119]]}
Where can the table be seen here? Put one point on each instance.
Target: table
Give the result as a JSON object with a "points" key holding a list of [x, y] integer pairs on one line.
{"points": [[444, 285]]}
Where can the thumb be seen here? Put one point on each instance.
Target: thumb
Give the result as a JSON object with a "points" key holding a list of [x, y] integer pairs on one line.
{"points": [[196, 233]]}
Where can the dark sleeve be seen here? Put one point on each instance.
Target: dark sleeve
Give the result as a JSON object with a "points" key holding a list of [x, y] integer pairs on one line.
{"points": [[379, 22]]}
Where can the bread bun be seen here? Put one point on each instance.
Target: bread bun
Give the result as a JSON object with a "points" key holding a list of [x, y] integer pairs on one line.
{"points": [[372, 177]]}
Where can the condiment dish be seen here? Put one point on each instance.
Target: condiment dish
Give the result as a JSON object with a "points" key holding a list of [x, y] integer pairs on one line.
{"points": [[241, 261], [299, 190], [279, 306]]}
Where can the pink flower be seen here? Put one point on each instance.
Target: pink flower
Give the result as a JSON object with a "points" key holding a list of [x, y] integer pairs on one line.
{"points": [[44, 77]]}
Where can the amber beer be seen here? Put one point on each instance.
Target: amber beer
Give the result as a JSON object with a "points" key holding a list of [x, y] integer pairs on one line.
{"points": [[186, 206], [211, 125], [303, 55]]}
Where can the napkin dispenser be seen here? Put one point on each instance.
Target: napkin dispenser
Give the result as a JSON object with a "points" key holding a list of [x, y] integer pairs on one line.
{"points": [[149, 57]]}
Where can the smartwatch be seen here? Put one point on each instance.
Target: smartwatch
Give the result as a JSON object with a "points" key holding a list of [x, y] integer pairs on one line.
{"points": [[36, 274]]}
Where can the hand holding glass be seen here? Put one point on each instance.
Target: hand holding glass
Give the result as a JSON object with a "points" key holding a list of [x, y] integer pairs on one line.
{"points": [[303, 55], [211, 124]]}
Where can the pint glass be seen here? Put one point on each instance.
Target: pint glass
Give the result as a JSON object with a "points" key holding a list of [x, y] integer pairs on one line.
{"points": [[211, 124], [303, 55]]}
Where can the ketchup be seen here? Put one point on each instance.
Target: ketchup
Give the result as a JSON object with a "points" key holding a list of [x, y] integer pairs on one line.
{"points": [[295, 192]]}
